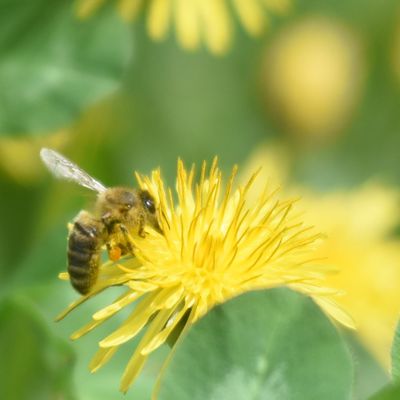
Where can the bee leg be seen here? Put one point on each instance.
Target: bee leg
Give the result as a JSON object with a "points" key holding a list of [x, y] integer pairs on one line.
{"points": [[109, 221], [141, 227], [128, 238]]}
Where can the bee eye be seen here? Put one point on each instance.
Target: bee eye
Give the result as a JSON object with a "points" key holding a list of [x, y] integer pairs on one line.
{"points": [[149, 204], [147, 201]]}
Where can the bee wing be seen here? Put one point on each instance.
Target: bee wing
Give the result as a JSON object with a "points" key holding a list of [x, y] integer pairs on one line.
{"points": [[63, 168]]}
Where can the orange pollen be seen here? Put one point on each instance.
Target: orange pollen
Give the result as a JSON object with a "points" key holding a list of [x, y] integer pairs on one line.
{"points": [[114, 254]]}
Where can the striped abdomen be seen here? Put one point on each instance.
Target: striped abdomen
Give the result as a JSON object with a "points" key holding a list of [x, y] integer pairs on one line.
{"points": [[84, 244]]}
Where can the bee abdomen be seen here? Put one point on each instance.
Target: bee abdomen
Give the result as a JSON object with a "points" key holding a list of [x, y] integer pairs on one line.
{"points": [[84, 246], [79, 258]]}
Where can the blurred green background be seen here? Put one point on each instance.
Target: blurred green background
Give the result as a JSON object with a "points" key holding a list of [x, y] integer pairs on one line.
{"points": [[322, 81]]}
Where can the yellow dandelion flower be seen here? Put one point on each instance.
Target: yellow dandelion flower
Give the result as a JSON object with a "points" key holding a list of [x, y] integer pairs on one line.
{"points": [[195, 21], [215, 245]]}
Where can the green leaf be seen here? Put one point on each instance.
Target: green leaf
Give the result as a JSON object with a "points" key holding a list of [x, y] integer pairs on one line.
{"points": [[273, 344], [34, 364], [53, 65], [369, 374], [396, 354], [390, 392]]}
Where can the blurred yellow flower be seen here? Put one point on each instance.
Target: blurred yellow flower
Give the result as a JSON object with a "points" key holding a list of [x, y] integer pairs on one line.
{"points": [[195, 21], [312, 77], [215, 245], [358, 224], [19, 154]]}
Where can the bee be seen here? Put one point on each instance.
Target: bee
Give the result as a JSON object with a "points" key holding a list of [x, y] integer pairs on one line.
{"points": [[119, 212]]}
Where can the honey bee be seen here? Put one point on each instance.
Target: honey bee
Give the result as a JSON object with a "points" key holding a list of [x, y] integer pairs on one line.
{"points": [[119, 212]]}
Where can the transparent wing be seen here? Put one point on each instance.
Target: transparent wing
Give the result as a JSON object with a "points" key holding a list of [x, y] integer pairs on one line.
{"points": [[63, 168]]}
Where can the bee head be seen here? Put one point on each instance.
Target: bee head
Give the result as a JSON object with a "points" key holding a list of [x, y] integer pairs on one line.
{"points": [[127, 206]]}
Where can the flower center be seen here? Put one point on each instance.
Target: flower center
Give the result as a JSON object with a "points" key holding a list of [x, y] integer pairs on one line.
{"points": [[205, 284]]}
